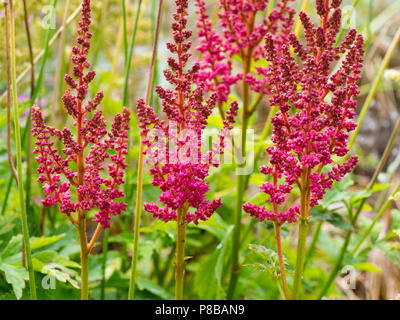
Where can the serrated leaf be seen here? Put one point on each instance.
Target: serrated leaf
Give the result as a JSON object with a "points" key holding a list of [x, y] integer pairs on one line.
{"points": [[331, 217], [16, 276]]}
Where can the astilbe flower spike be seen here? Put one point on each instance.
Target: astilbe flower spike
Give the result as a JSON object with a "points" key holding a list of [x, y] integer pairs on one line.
{"points": [[181, 180], [80, 167], [316, 108], [174, 147]]}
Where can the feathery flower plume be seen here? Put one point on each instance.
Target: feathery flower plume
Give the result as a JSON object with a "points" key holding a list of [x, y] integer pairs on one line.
{"points": [[181, 172], [316, 108], [315, 114], [179, 165], [80, 167]]}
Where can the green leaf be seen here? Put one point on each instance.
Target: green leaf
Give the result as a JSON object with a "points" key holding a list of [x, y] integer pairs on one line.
{"points": [[6, 222], [337, 193], [13, 247], [331, 217], [368, 267], [270, 260], [123, 237], [150, 286], [208, 284], [391, 250], [215, 225], [16, 276], [43, 241], [223, 248], [380, 186]]}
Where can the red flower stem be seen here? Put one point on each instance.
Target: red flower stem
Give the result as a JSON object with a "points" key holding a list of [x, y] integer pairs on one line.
{"points": [[82, 213], [94, 238], [84, 256]]}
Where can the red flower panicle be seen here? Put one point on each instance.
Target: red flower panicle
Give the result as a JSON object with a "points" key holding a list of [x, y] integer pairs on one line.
{"points": [[242, 36], [179, 166], [316, 108], [81, 164]]}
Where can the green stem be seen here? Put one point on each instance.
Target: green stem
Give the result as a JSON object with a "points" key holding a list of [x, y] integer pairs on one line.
{"points": [[313, 244], [125, 28], [261, 145], [128, 61], [374, 87], [139, 186], [378, 216], [305, 193], [9, 104], [23, 213], [301, 251], [240, 190], [104, 264], [138, 212], [29, 39], [353, 221], [337, 266], [277, 229], [180, 254], [32, 84]]}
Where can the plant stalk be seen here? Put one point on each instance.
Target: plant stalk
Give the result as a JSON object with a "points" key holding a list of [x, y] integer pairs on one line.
{"points": [[128, 61], [104, 264], [301, 252], [9, 100], [180, 254], [139, 191], [23, 213], [240, 190], [378, 216], [353, 221], [305, 194], [277, 229]]}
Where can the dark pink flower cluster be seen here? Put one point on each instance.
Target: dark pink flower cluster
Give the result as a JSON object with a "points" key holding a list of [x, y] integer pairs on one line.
{"points": [[244, 26], [80, 166], [316, 108], [174, 147]]}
